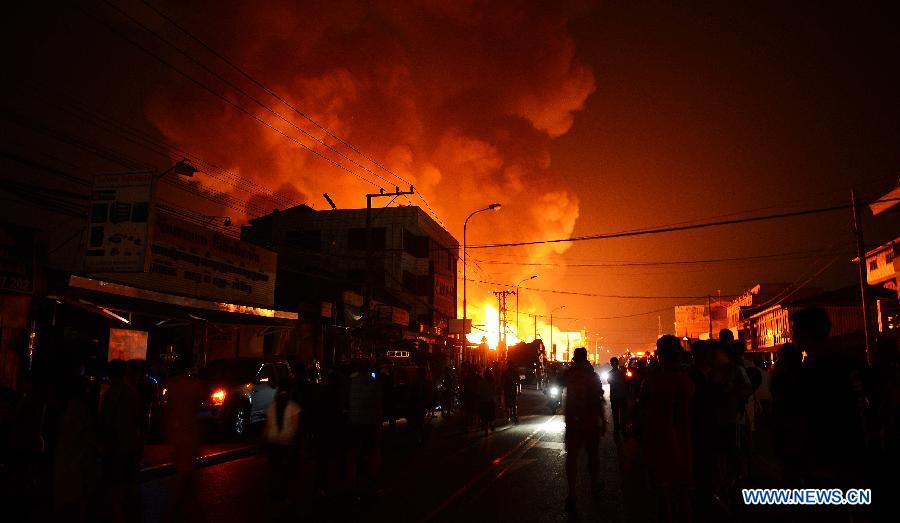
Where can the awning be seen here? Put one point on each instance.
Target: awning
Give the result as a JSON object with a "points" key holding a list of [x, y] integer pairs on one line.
{"points": [[105, 297]]}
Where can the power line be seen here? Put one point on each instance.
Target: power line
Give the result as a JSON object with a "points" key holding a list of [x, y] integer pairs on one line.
{"points": [[591, 295], [220, 96], [662, 230], [611, 264], [241, 91], [281, 99], [110, 124]]}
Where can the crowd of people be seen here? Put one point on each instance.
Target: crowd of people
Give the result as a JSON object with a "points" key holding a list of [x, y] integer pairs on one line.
{"points": [[483, 393], [691, 421], [692, 417]]}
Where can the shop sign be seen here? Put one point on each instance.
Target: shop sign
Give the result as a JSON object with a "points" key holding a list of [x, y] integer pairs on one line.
{"points": [[190, 260], [445, 294], [393, 315], [327, 309], [118, 222]]}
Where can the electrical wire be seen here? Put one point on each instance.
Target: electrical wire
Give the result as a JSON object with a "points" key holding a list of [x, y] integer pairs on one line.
{"points": [[663, 230], [110, 124], [222, 97], [281, 99]]}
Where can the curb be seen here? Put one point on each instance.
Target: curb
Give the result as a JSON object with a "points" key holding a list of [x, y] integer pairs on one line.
{"points": [[153, 472]]}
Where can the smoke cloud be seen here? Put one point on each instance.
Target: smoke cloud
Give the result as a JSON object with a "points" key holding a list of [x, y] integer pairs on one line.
{"points": [[460, 98]]}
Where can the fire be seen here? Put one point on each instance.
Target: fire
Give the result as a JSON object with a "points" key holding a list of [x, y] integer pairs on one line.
{"points": [[485, 320]]}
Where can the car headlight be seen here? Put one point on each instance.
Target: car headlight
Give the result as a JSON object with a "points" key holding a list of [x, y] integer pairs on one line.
{"points": [[604, 376], [554, 392]]}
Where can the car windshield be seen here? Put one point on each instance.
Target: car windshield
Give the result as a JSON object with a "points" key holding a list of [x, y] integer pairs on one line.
{"points": [[229, 370]]}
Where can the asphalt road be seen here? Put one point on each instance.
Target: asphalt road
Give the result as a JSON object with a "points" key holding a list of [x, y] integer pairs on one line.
{"points": [[515, 473]]}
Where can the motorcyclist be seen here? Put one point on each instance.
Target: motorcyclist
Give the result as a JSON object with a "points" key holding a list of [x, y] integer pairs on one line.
{"points": [[554, 389]]}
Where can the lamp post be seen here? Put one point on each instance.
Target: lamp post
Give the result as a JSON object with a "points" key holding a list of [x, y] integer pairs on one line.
{"points": [[551, 330], [533, 276], [491, 207], [182, 168]]}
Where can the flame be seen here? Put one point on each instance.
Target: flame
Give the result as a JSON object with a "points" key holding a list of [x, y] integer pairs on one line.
{"points": [[485, 320]]}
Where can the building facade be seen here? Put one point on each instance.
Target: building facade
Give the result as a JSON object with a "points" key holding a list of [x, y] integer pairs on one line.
{"points": [[408, 266]]}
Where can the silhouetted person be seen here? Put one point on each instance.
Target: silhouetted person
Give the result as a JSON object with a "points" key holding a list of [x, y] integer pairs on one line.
{"points": [[364, 417], [471, 384], [726, 338], [75, 471], [704, 435], [788, 408], [511, 392], [734, 387], [281, 433], [584, 421], [121, 444], [417, 404], [834, 426], [487, 406], [618, 397], [882, 385], [184, 393], [665, 402]]}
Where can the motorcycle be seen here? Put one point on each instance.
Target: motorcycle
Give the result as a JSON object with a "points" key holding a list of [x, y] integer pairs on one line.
{"points": [[554, 398]]}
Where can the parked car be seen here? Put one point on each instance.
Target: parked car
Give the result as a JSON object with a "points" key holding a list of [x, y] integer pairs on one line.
{"points": [[240, 390]]}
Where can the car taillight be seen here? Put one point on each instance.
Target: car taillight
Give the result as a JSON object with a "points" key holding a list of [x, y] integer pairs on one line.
{"points": [[217, 398]]}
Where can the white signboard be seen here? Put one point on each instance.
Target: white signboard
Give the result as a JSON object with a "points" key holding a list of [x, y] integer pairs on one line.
{"points": [[118, 224], [189, 260]]}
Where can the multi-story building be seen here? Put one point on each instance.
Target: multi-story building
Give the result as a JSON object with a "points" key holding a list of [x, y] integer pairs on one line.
{"points": [[771, 325], [760, 295], [694, 321], [325, 258]]}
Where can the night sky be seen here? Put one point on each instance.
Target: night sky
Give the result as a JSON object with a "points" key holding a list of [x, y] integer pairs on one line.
{"points": [[580, 119]]}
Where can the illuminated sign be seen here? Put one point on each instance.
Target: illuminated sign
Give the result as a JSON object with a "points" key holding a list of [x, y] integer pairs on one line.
{"points": [[127, 344]]}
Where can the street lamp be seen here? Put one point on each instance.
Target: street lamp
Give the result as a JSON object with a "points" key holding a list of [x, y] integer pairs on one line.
{"points": [[551, 329], [491, 207], [533, 276], [182, 168]]}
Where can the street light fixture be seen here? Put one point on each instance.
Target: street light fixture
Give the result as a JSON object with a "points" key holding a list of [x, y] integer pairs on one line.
{"points": [[551, 329], [182, 168], [533, 276], [491, 207]]}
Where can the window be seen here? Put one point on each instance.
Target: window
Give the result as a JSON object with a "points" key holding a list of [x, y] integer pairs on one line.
{"points": [[304, 240], [356, 238], [873, 265], [415, 245], [889, 257]]}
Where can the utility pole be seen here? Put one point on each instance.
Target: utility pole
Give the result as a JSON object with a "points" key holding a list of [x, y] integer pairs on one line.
{"points": [[367, 302], [552, 348], [861, 271], [502, 317]]}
